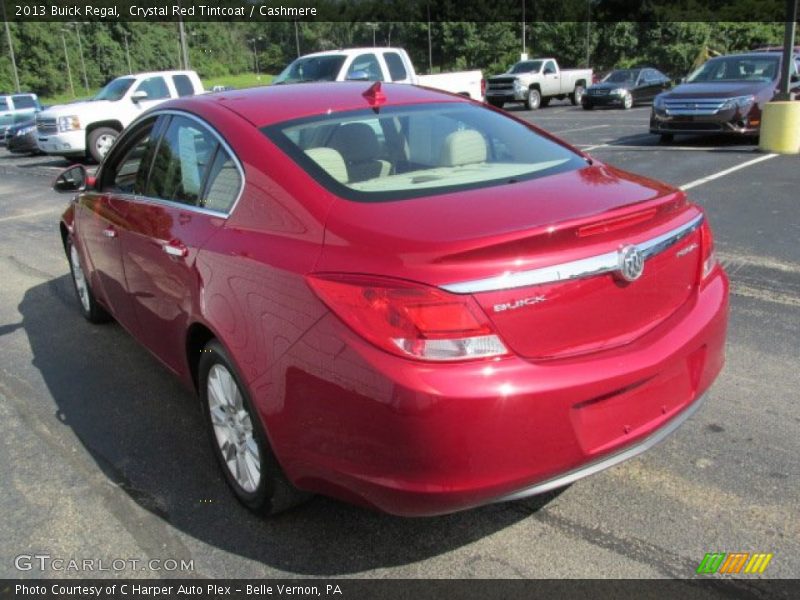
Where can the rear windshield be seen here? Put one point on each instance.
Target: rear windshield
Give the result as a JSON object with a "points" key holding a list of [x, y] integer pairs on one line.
{"points": [[313, 68], [422, 150]]}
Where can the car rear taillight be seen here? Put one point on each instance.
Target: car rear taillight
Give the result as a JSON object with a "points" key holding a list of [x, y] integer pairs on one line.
{"points": [[410, 320], [709, 257]]}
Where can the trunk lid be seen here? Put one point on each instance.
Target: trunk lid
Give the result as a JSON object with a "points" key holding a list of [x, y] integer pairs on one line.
{"points": [[511, 247]]}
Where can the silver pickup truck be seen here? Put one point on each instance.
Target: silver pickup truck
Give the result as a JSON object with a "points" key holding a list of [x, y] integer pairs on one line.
{"points": [[535, 82]]}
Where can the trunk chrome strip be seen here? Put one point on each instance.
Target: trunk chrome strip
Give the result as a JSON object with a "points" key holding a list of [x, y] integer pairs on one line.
{"points": [[576, 269]]}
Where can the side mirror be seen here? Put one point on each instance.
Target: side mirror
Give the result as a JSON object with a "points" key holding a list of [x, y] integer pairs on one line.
{"points": [[72, 179], [137, 97], [358, 76]]}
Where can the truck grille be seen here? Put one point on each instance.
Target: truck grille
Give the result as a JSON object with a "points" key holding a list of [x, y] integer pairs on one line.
{"points": [[695, 106], [46, 126], [501, 85]]}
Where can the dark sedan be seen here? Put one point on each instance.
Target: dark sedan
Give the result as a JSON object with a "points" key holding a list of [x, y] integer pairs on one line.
{"points": [[21, 138], [724, 96], [626, 87]]}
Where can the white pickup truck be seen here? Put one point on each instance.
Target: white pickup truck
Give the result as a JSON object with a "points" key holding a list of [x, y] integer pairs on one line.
{"points": [[377, 64], [535, 82], [92, 126]]}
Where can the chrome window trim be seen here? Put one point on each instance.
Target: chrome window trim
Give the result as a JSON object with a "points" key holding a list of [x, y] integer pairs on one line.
{"points": [[576, 269], [181, 205]]}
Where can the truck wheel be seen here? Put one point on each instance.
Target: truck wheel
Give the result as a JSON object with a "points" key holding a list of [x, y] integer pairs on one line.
{"points": [[496, 103], [534, 99], [100, 141], [575, 96]]}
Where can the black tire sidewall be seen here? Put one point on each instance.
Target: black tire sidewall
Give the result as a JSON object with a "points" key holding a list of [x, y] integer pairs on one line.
{"points": [[260, 499], [92, 138]]}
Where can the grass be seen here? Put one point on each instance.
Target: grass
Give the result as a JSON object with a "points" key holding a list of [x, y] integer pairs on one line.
{"points": [[240, 81]]}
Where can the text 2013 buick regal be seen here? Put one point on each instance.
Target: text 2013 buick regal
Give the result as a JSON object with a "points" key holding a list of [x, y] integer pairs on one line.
{"points": [[398, 297]]}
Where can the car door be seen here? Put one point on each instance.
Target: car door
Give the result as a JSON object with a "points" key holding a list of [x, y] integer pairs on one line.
{"points": [[550, 80], [193, 183], [101, 220]]}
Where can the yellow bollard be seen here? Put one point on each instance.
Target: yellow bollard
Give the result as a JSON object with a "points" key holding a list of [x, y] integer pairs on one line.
{"points": [[780, 127]]}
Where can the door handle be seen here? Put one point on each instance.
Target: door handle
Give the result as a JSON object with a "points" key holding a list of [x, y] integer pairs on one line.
{"points": [[175, 248], [110, 232]]}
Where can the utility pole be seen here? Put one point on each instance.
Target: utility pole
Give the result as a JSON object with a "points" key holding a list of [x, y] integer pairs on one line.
{"points": [[524, 49], [184, 46], [588, 25], [430, 45], [11, 48], [297, 38], [126, 34], [66, 59], [254, 41], [80, 51], [788, 50]]}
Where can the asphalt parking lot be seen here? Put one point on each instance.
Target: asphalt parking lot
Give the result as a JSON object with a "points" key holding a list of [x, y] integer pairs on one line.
{"points": [[103, 454]]}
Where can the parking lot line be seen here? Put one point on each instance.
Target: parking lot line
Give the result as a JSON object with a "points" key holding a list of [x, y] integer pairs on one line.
{"points": [[579, 129], [31, 214], [702, 180]]}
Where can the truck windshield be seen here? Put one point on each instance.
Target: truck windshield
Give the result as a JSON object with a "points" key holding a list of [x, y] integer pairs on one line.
{"points": [[115, 90], [420, 150], [312, 68], [527, 66], [737, 68]]}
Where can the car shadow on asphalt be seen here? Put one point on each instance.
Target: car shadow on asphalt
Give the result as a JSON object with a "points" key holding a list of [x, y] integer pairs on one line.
{"points": [[145, 432]]}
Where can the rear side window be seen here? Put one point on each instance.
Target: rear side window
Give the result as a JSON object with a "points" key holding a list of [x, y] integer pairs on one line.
{"points": [[183, 85], [224, 183], [397, 70], [181, 162], [23, 102], [422, 150], [155, 87]]}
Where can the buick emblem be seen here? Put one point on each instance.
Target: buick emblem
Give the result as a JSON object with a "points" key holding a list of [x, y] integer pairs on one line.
{"points": [[631, 263]]}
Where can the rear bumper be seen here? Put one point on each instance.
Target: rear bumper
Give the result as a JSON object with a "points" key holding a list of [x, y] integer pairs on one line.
{"points": [[348, 420]]}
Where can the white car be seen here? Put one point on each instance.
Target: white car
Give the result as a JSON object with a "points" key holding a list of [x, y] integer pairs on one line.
{"points": [[92, 126], [377, 64]]}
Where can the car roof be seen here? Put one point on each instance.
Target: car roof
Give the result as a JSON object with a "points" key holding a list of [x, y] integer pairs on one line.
{"points": [[267, 105]]}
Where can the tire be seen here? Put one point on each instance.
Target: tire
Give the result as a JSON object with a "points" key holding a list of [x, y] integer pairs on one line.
{"points": [[576, 95], [627, 101], [99, 142], [238, 439], [534, 99], [666, 138], [90, 309], [497, 103]]}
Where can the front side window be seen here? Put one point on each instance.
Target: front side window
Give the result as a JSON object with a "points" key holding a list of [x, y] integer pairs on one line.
{"points": [[549, 67], [181, 162], [427, 149], [23, 102], [128, 173], [154, 87], [366, 63], [115, 90]]}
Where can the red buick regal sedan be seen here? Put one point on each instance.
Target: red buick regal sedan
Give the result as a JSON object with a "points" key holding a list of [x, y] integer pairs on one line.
{"points": [[398, 297]]}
